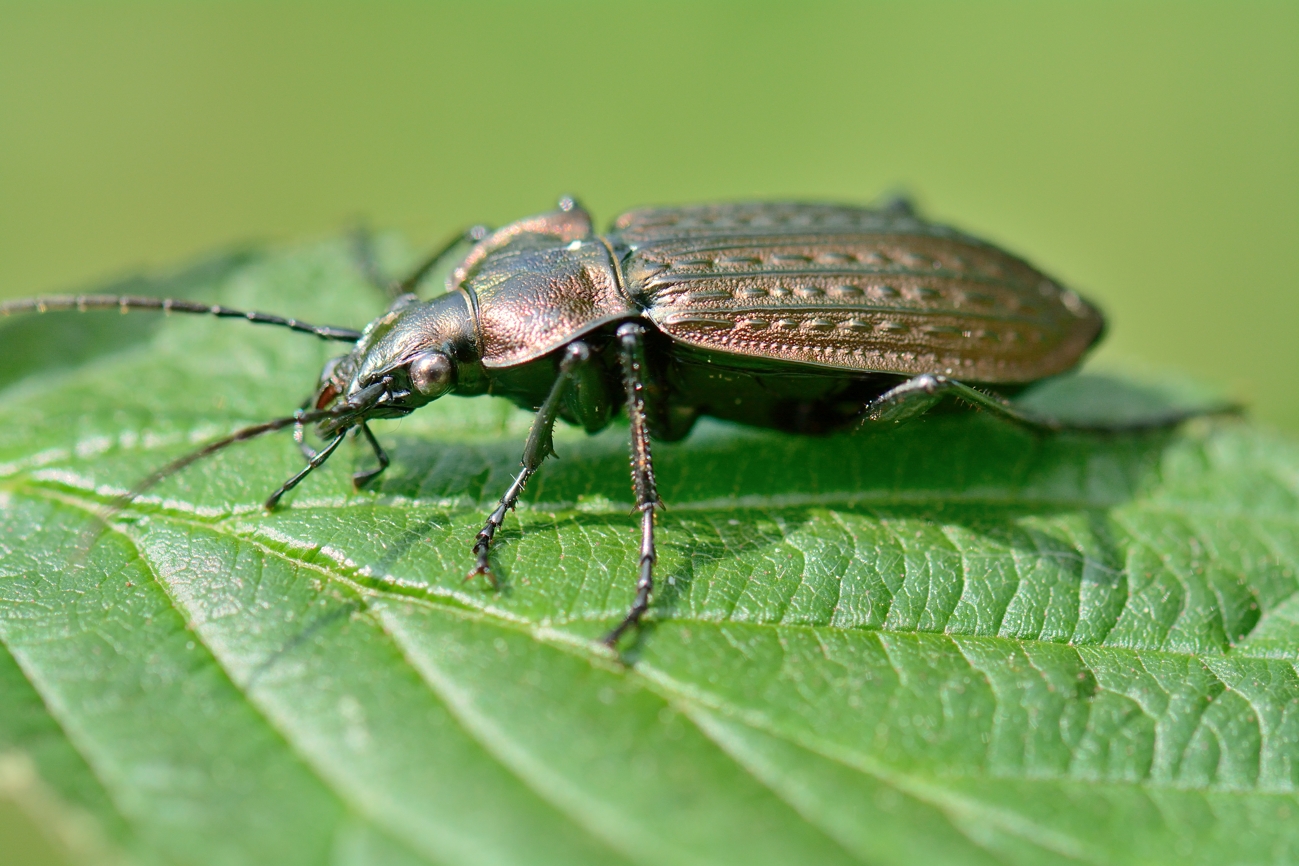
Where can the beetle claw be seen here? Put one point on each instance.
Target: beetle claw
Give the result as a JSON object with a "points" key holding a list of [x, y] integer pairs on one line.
{"points": [[483, 568]]}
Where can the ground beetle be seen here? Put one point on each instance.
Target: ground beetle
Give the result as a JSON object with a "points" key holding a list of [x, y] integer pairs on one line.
{"points": [[800, 317]]}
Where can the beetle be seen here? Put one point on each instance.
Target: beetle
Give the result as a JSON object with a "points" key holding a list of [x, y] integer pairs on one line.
{"points": [[806, 318]]}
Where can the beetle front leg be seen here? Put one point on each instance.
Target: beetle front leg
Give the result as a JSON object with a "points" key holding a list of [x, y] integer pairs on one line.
{"points": [[364, 258], [360, 479], [538, 447], [631, 345], [320, 457]]}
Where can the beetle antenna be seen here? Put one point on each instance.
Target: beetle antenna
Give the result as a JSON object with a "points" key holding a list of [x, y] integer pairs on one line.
{"points": [[120, 503], [125, 303], [242, 435]]}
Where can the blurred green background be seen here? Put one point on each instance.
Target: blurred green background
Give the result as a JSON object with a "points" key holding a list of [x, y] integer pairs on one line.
{"points": [[1145, 153]]}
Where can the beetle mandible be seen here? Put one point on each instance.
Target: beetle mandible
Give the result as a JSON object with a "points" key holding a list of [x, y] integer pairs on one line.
{"points": [[801, 317]]}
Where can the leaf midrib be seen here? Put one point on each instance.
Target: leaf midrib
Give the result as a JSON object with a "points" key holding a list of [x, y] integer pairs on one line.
{"points": [[461, 605], [144, 443], [171, 508]]}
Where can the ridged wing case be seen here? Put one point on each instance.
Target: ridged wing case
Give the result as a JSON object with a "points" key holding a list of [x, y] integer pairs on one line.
{"points": [[850, 289]]}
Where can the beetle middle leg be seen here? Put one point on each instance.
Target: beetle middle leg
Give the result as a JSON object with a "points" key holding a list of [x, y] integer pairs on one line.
{"points": [[631, 346], [539, 446]]}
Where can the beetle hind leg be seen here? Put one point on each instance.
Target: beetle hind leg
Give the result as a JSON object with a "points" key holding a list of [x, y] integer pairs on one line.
{"points": [[919, 394], [538, 447]]}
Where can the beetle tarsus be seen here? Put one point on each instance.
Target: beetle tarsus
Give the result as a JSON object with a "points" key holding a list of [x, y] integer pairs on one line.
{"points": [[360, 479], [321, 457], [645, 582], [482, 568], [483, 541]]}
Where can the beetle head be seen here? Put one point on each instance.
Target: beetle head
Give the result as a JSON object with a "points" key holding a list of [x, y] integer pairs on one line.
{"points": [[406, 358]]}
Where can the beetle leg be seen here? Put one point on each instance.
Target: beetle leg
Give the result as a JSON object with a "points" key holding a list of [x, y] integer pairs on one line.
{"points": [[916, 396], [360, 479], [362, 249], [473, 234], [538, 447], [363, 255], [632, 352], [321, 456]]}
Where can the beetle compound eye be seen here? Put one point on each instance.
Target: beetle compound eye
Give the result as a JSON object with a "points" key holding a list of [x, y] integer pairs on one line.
{"points": [[431, 373]]}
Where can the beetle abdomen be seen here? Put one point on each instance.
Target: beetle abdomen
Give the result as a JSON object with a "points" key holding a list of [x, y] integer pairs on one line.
{"points": [[852, 289]]}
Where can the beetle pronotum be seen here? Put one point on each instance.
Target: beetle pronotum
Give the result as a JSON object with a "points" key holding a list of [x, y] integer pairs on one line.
{"points": [[801, 317]]}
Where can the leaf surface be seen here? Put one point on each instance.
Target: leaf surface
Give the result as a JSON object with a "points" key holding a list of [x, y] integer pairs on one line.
{"points": [[953, 642]]}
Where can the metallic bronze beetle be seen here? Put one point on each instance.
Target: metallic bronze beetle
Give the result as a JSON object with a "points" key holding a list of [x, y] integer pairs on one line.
{"points": [[801, 317]]}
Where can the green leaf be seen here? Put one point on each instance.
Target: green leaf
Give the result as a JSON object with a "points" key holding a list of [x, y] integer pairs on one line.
{"points": [[957, 642]]}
